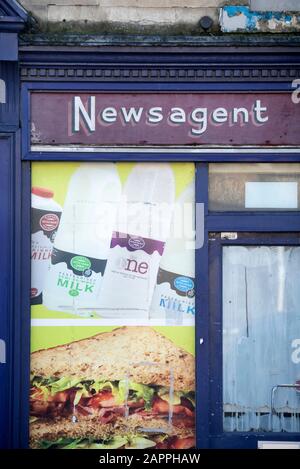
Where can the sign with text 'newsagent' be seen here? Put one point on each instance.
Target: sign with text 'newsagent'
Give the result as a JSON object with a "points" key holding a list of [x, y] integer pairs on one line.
{"points": [[116, 119]]}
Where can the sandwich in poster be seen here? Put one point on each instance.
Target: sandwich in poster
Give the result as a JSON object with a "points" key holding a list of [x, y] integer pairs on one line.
{"points": [[128, 388]]}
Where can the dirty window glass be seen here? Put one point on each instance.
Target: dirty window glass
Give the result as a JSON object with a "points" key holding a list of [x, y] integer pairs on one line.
{"points": [[261, 338], [254, 187]]}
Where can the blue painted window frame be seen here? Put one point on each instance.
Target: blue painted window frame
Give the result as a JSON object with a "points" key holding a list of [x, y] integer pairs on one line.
{"points": [[281, 222]]}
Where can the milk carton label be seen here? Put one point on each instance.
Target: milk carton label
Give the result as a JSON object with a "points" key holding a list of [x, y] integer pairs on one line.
{"points": [[78, 276], [83, 239], [132, 265], [174, 298], [43, 229]]}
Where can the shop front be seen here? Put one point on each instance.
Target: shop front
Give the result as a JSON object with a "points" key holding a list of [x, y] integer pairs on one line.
{"points": [[159, 241]]}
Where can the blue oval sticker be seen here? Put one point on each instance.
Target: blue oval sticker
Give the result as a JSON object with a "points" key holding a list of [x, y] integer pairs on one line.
{"points": [[184, 284]]}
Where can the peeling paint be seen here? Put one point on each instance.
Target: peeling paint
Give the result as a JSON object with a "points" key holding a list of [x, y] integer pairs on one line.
{"points": [[242, 19]]}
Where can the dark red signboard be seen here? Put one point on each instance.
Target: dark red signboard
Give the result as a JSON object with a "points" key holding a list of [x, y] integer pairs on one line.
{"points": [[124, 119]]}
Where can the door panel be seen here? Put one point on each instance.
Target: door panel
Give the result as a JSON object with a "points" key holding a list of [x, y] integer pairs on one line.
{"points": [[255, 326], [261, 327]]}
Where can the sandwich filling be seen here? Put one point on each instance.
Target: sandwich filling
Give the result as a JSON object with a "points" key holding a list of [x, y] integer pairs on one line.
{"points": [[120, 442], [109, 400]]}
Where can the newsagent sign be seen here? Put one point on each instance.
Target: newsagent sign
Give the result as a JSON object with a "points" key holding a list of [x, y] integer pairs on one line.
{"points": [[107, 119]]}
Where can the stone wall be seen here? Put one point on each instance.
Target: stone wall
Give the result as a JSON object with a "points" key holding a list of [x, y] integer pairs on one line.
{"points": [[124, 11], [227, 16]]}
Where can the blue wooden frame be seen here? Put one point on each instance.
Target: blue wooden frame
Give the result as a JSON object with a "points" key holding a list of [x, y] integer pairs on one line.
{"points": [[15, 327], [23, 331], [213, 222], [6, 274]]}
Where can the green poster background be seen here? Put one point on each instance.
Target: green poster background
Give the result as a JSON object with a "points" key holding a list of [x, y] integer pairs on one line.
{"points": [[51, 336]]}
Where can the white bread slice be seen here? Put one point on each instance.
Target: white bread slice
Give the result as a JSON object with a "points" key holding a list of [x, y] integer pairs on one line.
{"points": [[137, 352], [51, 430]]}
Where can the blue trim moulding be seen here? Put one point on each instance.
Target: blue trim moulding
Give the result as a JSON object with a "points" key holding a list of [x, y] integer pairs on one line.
{"points": [[205, 59], [8, 46], [9, 96], [14, 10], [13, 18]]}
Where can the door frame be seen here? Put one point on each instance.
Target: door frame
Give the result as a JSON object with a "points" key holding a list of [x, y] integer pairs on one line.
{"points": [[217, 437], [6, 274], [11, 321]]}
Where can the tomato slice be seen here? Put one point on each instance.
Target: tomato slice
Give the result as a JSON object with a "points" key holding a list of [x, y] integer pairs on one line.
{"points": [[102, 399], [136, 404], [184, 443], [183, 421], [162, 407], [61, 396], [38, 395], [39, 408]]}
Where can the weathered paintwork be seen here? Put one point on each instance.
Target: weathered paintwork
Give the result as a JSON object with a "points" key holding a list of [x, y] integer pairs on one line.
{"points": [[52, 119]]}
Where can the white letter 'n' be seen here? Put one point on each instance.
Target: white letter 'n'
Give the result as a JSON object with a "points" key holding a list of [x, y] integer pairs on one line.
{"points": [[88, 116]]}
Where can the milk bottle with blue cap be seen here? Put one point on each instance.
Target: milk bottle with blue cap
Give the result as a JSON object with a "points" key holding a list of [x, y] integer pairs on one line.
{"points": [[82, 243], [173, 301], [45, 217]]}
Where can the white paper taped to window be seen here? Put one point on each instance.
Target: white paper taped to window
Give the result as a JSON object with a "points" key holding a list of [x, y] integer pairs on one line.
{"points": [[271, 195]]}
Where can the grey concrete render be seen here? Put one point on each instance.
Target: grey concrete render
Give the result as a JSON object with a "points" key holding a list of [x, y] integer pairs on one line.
{"points": [[275, 5]]}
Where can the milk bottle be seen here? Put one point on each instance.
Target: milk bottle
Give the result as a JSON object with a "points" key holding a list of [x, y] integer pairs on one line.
{"points": [[45, 216], [81, 247], [173, 301], [138, 242]]}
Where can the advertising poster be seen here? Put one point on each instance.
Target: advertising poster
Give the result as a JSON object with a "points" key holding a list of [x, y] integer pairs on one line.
{"points": [[113, 306]]}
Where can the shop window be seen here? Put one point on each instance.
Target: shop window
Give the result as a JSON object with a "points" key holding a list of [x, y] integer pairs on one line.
{"points": [[254, 187], [112, 272]]}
